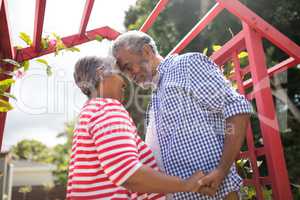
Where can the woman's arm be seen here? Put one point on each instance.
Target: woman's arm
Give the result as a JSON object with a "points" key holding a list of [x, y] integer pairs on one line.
{"points": [[114, 137], [147, 180]]}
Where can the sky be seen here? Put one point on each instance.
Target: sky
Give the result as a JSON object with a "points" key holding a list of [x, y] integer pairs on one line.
{"points": [[45, 103]]}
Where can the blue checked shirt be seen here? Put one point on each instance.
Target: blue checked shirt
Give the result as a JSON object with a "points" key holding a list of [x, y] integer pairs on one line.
{"points": [[191, 102]]}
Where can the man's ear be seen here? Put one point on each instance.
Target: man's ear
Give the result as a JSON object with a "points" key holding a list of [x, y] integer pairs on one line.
{"points": [[147, 51]]}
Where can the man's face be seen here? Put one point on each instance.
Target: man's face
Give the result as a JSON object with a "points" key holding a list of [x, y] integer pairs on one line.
{"points": [[135, 65]]}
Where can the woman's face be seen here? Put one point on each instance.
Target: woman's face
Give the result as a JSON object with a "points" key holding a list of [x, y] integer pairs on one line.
{"points": [[112, 87]]}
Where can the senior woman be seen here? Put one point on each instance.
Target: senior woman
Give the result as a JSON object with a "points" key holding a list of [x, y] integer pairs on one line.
{"points": [[109, 160]]}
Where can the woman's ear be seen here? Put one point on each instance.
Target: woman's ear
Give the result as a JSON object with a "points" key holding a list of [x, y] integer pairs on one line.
{"points": [[147, 51]]}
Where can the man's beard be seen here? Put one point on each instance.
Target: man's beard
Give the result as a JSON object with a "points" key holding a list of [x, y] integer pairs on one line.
{"points": [[146, 68]]}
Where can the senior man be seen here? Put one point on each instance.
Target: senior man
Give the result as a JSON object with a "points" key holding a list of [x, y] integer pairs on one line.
{"points": [[196, 120]]}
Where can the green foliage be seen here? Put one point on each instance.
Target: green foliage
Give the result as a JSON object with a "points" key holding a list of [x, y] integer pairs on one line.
{"points": [[48, 67], [25, 189], [26, 38], [61, 155], [45, 42], [98, 38], [32, 150], [25, 65], [42, 61], [5, 84], [8, 95], [216, 47], [73, 49], [5, 106]]}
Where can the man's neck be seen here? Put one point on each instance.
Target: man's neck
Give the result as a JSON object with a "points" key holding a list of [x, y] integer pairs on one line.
{"points": [[156, 63]]}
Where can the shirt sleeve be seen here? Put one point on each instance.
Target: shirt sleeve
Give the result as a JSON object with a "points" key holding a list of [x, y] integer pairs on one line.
{"points": [[210, 87], [114, 137]]}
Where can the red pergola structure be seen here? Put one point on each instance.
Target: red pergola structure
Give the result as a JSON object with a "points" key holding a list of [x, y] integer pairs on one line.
{"points": [[249, 39]]}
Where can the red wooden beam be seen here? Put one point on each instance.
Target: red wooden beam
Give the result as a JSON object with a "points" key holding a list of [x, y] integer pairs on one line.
{"points": [[40, 6], [160, 6], [249, 136], [73, 40], [86, 16], [267, 116], [197, 28], [260, 25], [6, 51], [236, 44], [280, 67]]}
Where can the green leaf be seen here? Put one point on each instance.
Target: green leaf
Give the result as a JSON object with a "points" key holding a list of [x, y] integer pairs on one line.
{"points": [[216, 47], [8, 95], [73, 49], [57, 37], [267, 194], [25, 38], [243, 54], [44, 43], [42, 61], [60, 45], [205, 51], [5, 84], [49, 70], [26, 64], [12, 62], [5, 106], [98, 38]]}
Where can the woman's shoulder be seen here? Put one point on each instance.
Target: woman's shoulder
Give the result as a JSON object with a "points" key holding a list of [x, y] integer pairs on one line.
{"points": [[103, 108], [106, 104], [96, 105], [102, 102]]}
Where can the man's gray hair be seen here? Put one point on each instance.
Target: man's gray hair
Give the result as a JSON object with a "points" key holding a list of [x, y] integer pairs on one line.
{"points": [[90, 70], [134, 41]]}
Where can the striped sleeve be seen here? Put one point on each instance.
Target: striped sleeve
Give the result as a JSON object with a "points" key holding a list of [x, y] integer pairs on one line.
{"points": [[115, 142]]}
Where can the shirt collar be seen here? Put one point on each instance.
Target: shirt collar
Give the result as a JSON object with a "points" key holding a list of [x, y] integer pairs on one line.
{"points": [[163, 65]]}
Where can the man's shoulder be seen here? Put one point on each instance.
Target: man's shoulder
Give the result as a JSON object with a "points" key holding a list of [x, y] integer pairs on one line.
{"points": [[186, 59], [176, 61]]}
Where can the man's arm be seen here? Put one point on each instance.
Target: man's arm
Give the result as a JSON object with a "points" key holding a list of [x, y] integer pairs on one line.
{"points": [[117, 149], [212, 90], [236, 128], [235, 134]]}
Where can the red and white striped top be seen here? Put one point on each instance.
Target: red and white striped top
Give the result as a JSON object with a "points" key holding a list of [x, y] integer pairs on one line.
{"points": [[106, 151]]}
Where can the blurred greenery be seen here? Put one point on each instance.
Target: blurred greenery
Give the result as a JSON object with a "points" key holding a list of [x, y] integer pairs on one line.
{"points": [[32, 150], [59, 155]]}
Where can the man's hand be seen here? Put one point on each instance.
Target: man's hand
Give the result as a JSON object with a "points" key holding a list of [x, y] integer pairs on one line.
{"points": [[192, 184], [210, 183]]}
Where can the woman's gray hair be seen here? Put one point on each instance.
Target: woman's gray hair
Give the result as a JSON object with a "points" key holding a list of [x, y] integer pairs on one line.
{"points": [[90, 70], [134, 41]]}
